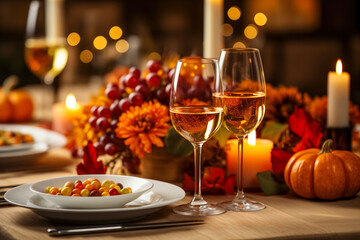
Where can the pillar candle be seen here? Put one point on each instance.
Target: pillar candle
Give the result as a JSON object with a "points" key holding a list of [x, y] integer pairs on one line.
{"points": [[64, 114], [257, 158], [338, 98], [213, 20]]}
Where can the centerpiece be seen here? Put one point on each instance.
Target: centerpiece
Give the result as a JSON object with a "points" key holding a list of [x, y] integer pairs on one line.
{"points": [[128, 125]]}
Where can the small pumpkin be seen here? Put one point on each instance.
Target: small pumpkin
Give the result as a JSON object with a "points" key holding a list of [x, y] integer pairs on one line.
{"points": [[324, 174], [16, 105]]}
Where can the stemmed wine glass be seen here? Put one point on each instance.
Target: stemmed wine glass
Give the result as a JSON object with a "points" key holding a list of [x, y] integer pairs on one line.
{"points": [[243, 101], [197, 116], [45, 45]]}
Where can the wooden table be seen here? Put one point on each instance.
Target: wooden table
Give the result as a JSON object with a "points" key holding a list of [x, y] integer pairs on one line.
{"points": [[285, 217]]}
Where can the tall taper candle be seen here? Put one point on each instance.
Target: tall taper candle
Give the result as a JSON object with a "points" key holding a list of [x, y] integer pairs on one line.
{"points": [[54, 16], [213, 20], [338, 98]]}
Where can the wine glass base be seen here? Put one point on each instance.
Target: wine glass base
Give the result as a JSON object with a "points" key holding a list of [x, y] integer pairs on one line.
{"points": [[198, 210], [244, 205]]}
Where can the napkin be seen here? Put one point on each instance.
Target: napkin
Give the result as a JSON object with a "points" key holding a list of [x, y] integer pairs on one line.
{"points": [[145, 199]]}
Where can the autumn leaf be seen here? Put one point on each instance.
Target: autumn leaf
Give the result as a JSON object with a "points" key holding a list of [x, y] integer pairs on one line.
{"points": [[213, 182], [90, 165]]}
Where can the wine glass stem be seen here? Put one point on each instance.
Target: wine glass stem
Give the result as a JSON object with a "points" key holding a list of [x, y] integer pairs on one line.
{"points": [[197, 199], [240, 196]]}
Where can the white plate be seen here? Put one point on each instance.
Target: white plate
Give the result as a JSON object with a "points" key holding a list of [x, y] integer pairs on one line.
{"points": [[138, 186], [22, 196], [43, 141], [16, 147]]}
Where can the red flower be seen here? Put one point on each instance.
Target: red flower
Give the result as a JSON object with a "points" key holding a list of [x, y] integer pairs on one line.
{"points": [[302, 124], [213, 182], [279, 159], [90, 164]]}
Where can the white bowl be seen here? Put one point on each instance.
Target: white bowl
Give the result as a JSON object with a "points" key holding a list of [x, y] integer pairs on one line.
{"points": [[138, 186]]}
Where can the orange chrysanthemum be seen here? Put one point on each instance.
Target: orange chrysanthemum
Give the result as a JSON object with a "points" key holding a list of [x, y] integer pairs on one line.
{"points": [[143, 126]]}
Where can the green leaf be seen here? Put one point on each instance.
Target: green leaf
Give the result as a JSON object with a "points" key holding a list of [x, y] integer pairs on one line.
{"points": [[269, 185], [273, 131], [222, 135], [176, 144]]}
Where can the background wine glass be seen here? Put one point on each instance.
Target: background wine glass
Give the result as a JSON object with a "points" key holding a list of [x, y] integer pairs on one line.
{"points": [[243, 101], [45, 46], [197, 117]]}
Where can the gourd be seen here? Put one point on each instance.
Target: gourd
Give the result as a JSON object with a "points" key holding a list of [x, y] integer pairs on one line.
{"points": [[324, 174], [15, 105]]}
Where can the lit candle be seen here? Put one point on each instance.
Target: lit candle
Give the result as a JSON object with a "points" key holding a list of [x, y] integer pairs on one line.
{"points": [[54, 19], [338, 98], [64, 114], [213, 20], [257, 158]]}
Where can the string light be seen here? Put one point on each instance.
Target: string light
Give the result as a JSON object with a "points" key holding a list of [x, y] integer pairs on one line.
{"points": [[227, 30], [234, 13], [100, 42], [86, 56], [260, 19], [155, 56], [122, 46], [251, 31], [73, 39], [239, 45], [115, 32]]}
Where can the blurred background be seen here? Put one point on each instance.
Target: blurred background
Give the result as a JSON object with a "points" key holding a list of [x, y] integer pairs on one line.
{"points": [[300, 40]]}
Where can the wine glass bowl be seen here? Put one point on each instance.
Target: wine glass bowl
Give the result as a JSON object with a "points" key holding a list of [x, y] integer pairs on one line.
{"points": [[196, 116], [243, 101]]}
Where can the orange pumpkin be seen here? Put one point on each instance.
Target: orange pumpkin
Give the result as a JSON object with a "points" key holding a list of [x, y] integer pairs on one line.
{"points": [[323, 174], [15, 105]]}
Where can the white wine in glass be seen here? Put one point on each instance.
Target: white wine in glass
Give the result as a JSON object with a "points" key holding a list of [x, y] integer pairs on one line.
{"points": [[197, 117], [45, 45], [243, 101]]}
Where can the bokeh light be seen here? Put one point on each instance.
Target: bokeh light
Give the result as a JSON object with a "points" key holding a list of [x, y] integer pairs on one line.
{"points": [[86, 56], [227, 30], [155, 56], [239, 45], [122, 46], [115, 32], [260, 19], [100, 42], [73, 39], [234, 13], [250, 31]]}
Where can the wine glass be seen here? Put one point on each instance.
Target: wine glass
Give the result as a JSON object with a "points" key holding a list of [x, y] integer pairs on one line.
{"points": [[45, 45], [197, 117], [243, 101]]}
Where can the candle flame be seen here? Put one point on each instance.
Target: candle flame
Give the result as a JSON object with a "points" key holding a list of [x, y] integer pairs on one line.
{"points": [[70, 101], [252, 138], [338, 66]]}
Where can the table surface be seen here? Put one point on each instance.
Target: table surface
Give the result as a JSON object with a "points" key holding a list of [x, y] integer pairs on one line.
{"points": [[285, 217]]}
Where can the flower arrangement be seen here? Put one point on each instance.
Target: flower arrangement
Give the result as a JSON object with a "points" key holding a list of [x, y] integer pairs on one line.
{"points": [[128, 119]]}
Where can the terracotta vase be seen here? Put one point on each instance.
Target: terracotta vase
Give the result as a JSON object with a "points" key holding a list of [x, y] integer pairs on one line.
{"points": [[163, 166]]}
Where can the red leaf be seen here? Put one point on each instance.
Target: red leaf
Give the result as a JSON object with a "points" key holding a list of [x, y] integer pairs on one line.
{"points": [[90, 165], [302, 124], [188, 183], [213, 182], [299, 121], [279, 159]]}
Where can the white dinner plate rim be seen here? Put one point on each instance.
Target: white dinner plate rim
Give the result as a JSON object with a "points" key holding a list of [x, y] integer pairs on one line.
{"points": [[35, 149], [60, 139], [16, 147], [97, 210]]}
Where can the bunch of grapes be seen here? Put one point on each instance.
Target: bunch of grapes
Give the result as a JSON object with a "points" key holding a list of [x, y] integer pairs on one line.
{"points": [[132, 89]]}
